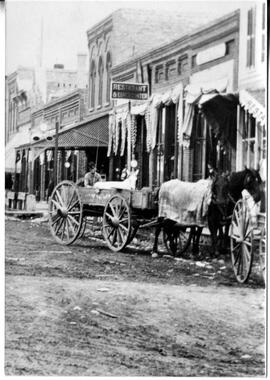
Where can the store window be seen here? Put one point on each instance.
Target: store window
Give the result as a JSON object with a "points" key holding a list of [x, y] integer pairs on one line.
{"points": [[251, 37], [108, 84], [100, 77], [249, 141], [93, 84]]}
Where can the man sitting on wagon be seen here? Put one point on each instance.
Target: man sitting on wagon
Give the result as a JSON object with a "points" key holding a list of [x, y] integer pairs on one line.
{"points": [[92, 176]]}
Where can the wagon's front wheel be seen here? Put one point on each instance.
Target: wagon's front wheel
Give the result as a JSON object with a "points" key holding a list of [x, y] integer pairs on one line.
{"points": [[116, 223], [65, 213], [241, 236]]}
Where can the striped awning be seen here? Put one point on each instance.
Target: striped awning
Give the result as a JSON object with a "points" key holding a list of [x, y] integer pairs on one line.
{"points": [[89, 134], [253, 101]]}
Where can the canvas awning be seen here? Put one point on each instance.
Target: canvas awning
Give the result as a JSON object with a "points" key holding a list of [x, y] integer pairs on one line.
{"points": [[254, 102], [219, 108]]}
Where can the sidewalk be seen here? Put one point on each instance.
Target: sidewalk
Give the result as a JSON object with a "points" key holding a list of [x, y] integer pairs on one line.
{"points": [[41, 211]]}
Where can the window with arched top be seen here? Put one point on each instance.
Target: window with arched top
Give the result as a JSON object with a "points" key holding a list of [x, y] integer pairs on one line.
{"points": [[100, 84], [108, 70], [92, 84]]}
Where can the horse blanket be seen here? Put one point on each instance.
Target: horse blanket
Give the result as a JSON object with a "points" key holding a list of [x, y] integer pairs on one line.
{"points": [[185, 202]]}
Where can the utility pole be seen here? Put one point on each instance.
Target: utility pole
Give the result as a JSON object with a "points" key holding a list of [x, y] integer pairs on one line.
{"points": [[55, 166]]}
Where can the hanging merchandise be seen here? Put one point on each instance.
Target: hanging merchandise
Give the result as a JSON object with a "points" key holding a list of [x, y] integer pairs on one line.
{"points": [[111, 128], [147, 117], [116, 138], [41, 158], [49, 155], [156, 103], [133, 132], [123, 134]]}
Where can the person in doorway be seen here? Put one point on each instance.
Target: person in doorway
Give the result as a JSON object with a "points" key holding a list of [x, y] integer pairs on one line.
{"points": [[92, 176]]}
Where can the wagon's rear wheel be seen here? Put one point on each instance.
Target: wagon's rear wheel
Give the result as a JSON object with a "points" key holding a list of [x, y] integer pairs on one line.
{"points": [[178, 241], [116, 223], [65, 213], [241, 237]]}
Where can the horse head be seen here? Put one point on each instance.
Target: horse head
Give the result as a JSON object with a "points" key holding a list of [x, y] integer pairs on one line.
{"points": [[252, 183], [220, 190]]}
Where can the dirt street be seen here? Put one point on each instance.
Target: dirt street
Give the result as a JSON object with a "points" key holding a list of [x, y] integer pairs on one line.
{"points": [[83, 310]]}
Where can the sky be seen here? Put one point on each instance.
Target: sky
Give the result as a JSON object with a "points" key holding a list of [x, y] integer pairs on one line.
{"points": [[65, 24]]}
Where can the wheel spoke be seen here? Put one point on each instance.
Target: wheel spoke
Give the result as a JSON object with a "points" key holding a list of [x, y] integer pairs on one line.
{"points": [[56, 204], [71, 225], [123, 227], [55, 220], [113, 210], [70, 198], [123, 220], [237, 246], [63, 230], [121, 234], [239, 262], [59, 226], [59, 197], [109, 215], [73, 205], [73, 219]]}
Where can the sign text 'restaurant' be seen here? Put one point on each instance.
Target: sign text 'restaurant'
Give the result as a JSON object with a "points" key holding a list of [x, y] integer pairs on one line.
{"points": [[122, 90]]}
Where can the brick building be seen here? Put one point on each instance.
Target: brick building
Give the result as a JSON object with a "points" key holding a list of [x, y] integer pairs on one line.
{"points": [[190, 118], [119, 38]]}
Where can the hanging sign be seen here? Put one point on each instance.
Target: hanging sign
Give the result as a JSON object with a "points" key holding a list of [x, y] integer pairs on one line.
{"points": [[135, 91]]}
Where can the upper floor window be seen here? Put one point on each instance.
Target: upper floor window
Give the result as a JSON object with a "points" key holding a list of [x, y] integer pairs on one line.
{"points": [[100, 76], [182, 64], [93, 84], [170, 69], [263, 33], [108, 84], [193, 61], [229, 47], [251, 37], [159, 73]]}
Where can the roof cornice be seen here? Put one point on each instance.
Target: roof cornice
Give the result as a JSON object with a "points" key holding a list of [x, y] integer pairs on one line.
{"points": [[230, 20]]}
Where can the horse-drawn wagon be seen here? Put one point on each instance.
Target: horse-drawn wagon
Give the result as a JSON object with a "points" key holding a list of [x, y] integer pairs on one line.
{"points": [[124, 210]]}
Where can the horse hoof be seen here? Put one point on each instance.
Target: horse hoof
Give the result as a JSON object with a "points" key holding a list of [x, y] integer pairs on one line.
{"points": [[154, 254]]}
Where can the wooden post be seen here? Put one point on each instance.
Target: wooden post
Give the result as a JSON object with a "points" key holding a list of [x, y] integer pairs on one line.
{"points": [[55, 154], [204, 148], [129, 138]]}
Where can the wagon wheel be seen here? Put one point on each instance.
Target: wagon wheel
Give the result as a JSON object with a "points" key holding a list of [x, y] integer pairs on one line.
{"points": [[241, 237], [116, 223], [65, 213], [178, 241]]}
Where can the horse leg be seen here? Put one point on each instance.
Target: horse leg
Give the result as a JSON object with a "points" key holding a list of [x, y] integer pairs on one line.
{"points": [[213, 232], [196, 239], [157, 232]]}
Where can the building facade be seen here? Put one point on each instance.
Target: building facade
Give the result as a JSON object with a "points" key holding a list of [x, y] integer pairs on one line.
{"points": [[252, 130], [190, 117]]}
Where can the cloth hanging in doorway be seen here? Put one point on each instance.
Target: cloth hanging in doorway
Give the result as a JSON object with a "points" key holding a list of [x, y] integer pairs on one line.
{"points": [[41, 158], [49, 155], [185, 132], [111, 131], [123, 135]]}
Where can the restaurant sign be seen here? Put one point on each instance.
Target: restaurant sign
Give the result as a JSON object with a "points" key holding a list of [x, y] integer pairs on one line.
{"points": [[135, 91]]}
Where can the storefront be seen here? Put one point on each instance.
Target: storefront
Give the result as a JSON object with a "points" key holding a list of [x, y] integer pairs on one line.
{"points": [[252, 135]]}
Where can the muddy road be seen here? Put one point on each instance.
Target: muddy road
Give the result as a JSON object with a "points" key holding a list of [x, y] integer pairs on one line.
{"points": [[83, 310]]}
